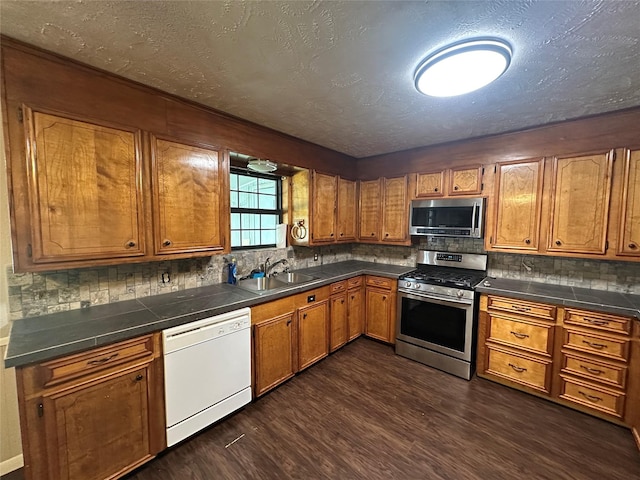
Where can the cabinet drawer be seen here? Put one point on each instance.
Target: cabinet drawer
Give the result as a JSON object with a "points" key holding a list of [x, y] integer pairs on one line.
{"points": [[608, 347], [338, 287], [598, 321], [536, 338], [380, 282], [597, 398], [611, 374], [354, 282], [74, 366], [527, 371], [538, 310]]}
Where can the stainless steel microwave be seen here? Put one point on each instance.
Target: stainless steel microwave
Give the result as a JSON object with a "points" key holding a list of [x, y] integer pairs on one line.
{"points": [[447, 217]]}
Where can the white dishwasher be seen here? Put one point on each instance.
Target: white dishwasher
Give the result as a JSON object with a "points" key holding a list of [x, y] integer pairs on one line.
{"points": [[207, 372]]}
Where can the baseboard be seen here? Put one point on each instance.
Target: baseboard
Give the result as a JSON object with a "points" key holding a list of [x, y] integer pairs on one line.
{"points": [[14, 463]]}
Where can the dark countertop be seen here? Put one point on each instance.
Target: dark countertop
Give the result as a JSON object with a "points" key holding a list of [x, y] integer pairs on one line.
{"points": [[45, 337], [585, 298]]}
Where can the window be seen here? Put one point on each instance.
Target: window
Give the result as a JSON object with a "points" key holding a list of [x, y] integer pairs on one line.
{"points": [[256, 209]]}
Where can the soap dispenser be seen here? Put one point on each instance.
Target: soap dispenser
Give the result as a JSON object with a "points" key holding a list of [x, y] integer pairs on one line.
{"points": [[233, 271]]}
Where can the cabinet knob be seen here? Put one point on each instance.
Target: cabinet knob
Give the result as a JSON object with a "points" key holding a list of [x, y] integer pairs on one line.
{"points": [[456, 187], [304, 315], [288, 322], [386, 234], [332, 234], [435, 189], [342, 301], [166, 243], [372, 234], [558, 242], [633, 246], [341, 234], [527, 241], [139, 377], [131, 244]]}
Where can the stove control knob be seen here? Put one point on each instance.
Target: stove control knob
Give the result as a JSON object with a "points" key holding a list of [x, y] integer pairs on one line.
{"points": [[460, 293], [407, 284], [418, 286]]}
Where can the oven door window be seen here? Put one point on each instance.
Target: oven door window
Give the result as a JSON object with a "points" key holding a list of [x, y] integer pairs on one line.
{"points": [[434, 323]]}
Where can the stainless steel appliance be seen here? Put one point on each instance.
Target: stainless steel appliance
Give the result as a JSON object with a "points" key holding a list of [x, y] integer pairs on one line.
{"points": [[207, 372], [448, 217], [437, 311]]}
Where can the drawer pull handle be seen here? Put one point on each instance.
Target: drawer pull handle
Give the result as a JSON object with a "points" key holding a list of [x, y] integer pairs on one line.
{"points": [[519, 335], [103, 360], [521, 309], [593, 371], [139, 377], [593, 321], [597, 346], [591, 398], [517, 368]]}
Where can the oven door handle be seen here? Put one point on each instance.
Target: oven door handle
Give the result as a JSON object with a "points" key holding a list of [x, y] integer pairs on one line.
{"points": [[439, 298]]}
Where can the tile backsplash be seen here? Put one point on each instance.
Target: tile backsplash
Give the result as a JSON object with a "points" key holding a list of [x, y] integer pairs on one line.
{"points": [[40, 293]]}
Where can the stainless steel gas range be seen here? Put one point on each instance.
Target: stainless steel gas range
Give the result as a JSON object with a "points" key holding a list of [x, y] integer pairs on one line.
{"points": [[437, 311]]}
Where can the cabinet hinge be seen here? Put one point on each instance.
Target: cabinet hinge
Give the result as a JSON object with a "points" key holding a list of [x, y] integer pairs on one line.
{"points": [[29, 250], [490, 240], [40, 410], [495, 168], [20, 115], [613, 156], [482, 170], [481, 186], [606, 245]]}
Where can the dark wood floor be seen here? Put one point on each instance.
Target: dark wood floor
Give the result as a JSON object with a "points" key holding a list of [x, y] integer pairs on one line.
{"points": [[365, 413]]}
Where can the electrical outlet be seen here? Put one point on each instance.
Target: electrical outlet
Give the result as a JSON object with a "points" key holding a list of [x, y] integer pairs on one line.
{"points": [[315, 257], [166, 278]]}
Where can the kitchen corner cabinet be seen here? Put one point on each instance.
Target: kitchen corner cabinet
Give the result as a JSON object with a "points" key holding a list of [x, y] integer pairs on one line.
{"points": [[629, 233], [580, 196], [380, 308], [190, 196], [274, 352], [355, 307], [325, 204], [451, 182], [84, 190], [518, 202], [93, 415]]}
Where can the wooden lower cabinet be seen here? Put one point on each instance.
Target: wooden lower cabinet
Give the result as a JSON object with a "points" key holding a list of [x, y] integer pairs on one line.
{"points": [[274, 352], [586, 360], [380, 308], [355, 307], [289, 335], [339, 321], [93, 415]]}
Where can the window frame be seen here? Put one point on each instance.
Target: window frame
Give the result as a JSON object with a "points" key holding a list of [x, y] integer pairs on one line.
{"points": [[257, 211]]}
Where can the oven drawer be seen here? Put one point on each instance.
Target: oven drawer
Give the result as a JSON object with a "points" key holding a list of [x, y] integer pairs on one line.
{"points": [[529, 336], [528, 371], [608, 347], [598, 321], [608, 373], [601, 399], [538, 310]]}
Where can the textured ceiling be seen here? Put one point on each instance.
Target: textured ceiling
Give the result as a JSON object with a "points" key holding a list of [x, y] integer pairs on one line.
{"points": [[339, 74]]}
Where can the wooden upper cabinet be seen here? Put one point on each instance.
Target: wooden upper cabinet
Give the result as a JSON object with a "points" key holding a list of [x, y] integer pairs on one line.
{"points": [[84, 184], [395, 227], [347, 210], [430, 185], [580, 203], [370, 194], [518, 198], [191, 197], [324, 191], [629, 236], [465, 180]]}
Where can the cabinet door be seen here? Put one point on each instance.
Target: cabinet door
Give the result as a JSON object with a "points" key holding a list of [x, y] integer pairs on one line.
{"points": [[395, 225], [273, 349], [378, 314], [84, 190], [339, 326], [355, 312], [580, 203], [97, 430], [313, 333], [347, 210], [429, 185], [629, 236], [518, 200], [370, 197], [325, 190], [191, 198], [465, 181]]}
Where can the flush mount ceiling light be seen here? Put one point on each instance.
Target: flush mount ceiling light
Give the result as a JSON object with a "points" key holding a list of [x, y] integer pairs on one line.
{"points": [[261, 165], [462, 67]]}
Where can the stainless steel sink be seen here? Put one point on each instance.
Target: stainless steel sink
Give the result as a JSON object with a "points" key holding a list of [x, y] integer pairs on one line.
{"points": [[293, 277], [262, 284]]}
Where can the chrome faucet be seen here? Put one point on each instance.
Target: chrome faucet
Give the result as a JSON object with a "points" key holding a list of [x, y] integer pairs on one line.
{"points": [[269, 266]]}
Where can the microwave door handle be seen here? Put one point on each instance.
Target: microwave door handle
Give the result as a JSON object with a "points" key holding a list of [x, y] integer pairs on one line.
{"points": [[473, 216]]}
